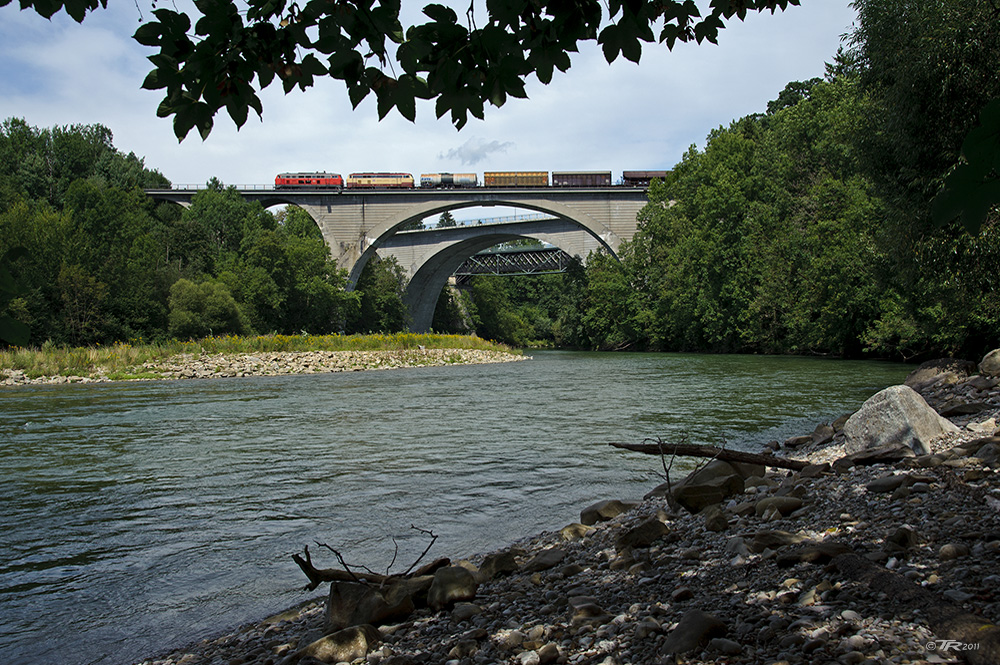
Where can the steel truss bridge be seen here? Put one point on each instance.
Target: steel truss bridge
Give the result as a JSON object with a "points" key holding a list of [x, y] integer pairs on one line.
{"points": [[511, 263]]}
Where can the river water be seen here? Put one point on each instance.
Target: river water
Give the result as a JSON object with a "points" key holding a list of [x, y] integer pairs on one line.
{"points": [[137, 517]]}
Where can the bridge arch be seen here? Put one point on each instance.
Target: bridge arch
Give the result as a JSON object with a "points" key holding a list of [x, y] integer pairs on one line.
{"points": [[386, 228], [431, 257]]}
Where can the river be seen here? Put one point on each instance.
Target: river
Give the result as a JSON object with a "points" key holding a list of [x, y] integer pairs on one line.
{"points": [[142, 516]]}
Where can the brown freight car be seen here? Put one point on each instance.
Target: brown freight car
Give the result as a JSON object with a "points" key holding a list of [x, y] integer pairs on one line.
{"points": [[642, 178], [581, 178], [516, 179]]}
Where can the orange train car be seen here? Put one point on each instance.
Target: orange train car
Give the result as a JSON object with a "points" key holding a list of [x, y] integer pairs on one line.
{"points": [[516, 179], [314, 180]]}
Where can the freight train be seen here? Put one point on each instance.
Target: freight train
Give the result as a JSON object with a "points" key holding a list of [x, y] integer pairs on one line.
{"points": [[381, 180]]}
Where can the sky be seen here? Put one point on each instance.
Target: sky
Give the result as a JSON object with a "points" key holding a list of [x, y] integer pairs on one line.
{"points": [[594, 117]]}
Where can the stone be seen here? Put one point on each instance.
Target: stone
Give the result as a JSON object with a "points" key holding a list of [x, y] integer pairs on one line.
{"points": [[886, 484], [785, 505], [773, 539], [589, 614], [695, 498], [811, 552], [950, 370], [575, 531], [990, 453], [646, 627], [715, 519], [903, 538], [465, 611], [548, 653], [724, 646], [603, 511], [354, 603], [544, 560], [499, 563], [342, 646], [815, 470], [528, 658], [451, 584], [990, 364], [695, 628], [823, 434], [727, 477], [798, 441], [643, 534], [895, 416], [952, 551]]}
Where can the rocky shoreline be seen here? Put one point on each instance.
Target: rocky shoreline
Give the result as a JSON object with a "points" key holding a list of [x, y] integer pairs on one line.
{"points": [[214, 366], [884, 555]]}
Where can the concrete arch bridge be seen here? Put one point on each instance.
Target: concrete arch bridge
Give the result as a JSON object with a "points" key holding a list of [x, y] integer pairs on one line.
{"points": [[356, 224]]}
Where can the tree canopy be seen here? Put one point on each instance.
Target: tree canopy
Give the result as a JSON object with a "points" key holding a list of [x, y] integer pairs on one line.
{"points": [[222, 56]]}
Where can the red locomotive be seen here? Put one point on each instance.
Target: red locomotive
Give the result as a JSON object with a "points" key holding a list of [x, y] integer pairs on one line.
{"points": [[310, 180]]}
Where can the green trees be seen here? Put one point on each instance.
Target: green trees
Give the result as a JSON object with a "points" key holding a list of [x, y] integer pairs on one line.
{"points": [[99, 262], [808, 229], [200, 310]]}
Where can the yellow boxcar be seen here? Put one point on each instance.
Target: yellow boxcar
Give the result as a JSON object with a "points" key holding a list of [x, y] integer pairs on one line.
{"points": [[516, 179], [379, 180]]}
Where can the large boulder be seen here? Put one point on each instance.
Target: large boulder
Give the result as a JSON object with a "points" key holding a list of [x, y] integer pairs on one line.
{"points": [[990, 365], [892, 417]]}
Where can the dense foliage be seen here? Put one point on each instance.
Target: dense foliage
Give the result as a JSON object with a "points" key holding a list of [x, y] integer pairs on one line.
{"points": [[96, 261]]}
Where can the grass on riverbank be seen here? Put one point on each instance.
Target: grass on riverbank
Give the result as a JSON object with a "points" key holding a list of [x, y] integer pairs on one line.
{"points": [[125, 360]]}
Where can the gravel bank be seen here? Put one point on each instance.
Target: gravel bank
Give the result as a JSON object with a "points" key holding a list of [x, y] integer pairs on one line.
{"points": [[655, 581], [213, 366]]}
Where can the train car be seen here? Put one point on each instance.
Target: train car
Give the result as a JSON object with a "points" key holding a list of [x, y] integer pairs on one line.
{"points": [[316, 180], [379, 181], [581, 178], [516, 179], [642, 178], [448, 180]]}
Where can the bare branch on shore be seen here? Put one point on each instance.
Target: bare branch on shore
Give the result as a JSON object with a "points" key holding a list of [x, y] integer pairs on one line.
{"points": [[726, 455]]}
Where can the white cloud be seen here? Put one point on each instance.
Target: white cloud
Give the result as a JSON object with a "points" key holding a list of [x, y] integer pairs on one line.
{"points": [[475, 150]]}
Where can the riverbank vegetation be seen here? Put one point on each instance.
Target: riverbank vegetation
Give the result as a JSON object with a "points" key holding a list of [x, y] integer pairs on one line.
{"points": [[805, 228], [125, 359]]}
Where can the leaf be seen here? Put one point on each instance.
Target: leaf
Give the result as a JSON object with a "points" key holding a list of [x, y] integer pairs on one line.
{"points": [[440, 14], [148, 34]]}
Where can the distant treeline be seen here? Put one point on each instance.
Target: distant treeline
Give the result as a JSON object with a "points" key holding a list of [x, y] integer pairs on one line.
{"points": [[802, 229]]}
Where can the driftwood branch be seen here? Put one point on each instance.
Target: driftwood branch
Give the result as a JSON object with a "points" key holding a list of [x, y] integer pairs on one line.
{"points": [[319, 575], [426, 550], [344, 574], [695, 450]]}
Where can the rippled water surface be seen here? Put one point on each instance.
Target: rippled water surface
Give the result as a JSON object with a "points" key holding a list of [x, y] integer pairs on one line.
{"points": [[136, 517]]}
